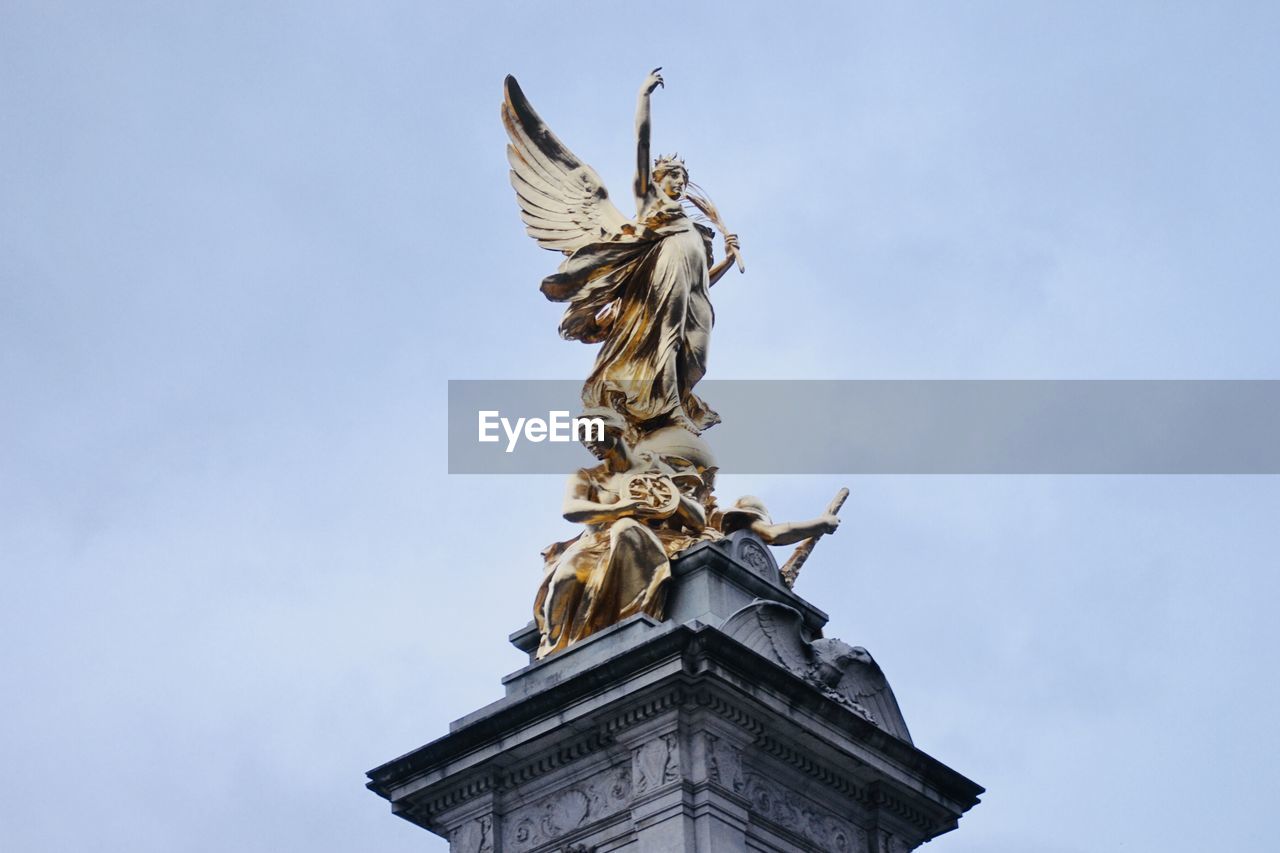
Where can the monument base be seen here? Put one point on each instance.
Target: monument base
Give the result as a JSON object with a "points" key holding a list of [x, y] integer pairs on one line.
{"points": [[680, 736]]}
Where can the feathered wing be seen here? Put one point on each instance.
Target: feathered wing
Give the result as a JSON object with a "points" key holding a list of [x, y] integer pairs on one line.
{"points": [[562, 201], [865, 683], [773, 630]]}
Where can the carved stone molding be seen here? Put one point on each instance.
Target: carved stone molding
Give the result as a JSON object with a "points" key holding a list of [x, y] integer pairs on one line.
{"points": [[717, 704], [422, 811], [562, 812], [872, 797], [896, 806], [684, 717], [813, 769], [563, 754], [656, 763], [877, 798], [890, 843], [724, 763], [475, 836], [761, 562], [639, 713], [785, 808]]}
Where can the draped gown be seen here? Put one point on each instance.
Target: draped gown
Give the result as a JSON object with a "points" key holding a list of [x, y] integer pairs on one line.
{"points": [[644, 297], [610, 571]]}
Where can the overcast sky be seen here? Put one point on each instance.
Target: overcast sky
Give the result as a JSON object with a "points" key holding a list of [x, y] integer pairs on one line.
{"points": [[242, 249]]}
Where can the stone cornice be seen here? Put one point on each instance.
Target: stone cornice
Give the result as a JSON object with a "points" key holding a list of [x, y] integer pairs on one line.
{"points": [[684, 668]]}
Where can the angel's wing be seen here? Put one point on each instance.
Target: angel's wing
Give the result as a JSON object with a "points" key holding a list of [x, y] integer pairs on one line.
{"points": [[562, 201]]}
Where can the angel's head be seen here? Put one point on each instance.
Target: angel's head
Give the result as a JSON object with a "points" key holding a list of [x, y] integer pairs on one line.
{"points": [[671, 176]]}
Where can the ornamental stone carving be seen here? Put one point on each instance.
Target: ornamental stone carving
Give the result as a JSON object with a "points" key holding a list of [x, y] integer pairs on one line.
{"points": [[657, 763], [473, 837], [778, 805], [755, 556], [724, 764], [564, 811]]}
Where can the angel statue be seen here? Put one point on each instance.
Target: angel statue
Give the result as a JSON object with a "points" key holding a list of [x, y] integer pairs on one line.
{"points": [[637, 287]]}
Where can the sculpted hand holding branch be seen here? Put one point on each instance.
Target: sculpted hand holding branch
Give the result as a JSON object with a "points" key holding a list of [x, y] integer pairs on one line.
{"points": [[637, 287]]}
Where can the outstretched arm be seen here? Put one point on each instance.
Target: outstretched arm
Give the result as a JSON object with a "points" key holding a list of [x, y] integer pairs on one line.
{"points": [[791, 532], [643, 182]]}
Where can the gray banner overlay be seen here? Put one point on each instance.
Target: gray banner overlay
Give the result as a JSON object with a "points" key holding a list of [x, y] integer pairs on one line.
{"points": [[916, 427]]}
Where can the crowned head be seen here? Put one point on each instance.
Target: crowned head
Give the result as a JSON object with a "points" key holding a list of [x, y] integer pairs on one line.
{"points": [[671, 176]]}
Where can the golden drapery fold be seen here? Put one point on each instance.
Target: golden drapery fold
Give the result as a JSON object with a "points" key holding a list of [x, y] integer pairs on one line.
{"points": [[605, 574], [645, 298]]}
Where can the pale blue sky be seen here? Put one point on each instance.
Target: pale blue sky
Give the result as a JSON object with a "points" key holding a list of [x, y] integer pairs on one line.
{"points": [[242, 250]]}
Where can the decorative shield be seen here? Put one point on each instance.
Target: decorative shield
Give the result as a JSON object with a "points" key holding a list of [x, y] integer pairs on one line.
{"points": [[654, 490]]}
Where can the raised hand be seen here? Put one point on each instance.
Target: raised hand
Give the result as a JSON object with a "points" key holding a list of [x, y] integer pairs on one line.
{"points": [[653, 81]]}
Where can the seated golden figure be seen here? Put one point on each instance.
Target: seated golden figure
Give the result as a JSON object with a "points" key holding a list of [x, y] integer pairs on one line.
{"points": [[636, 519]]}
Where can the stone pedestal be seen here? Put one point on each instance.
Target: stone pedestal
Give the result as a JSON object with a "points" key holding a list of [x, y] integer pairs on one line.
{"points": [[685, 735]]}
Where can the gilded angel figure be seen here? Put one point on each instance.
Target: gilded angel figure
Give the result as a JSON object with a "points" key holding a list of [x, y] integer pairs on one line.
{"points": [[637, 287]]}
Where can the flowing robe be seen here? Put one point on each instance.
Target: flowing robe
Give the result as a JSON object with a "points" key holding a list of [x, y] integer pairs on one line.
{"points": [[609, 572], [645, 297]]}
